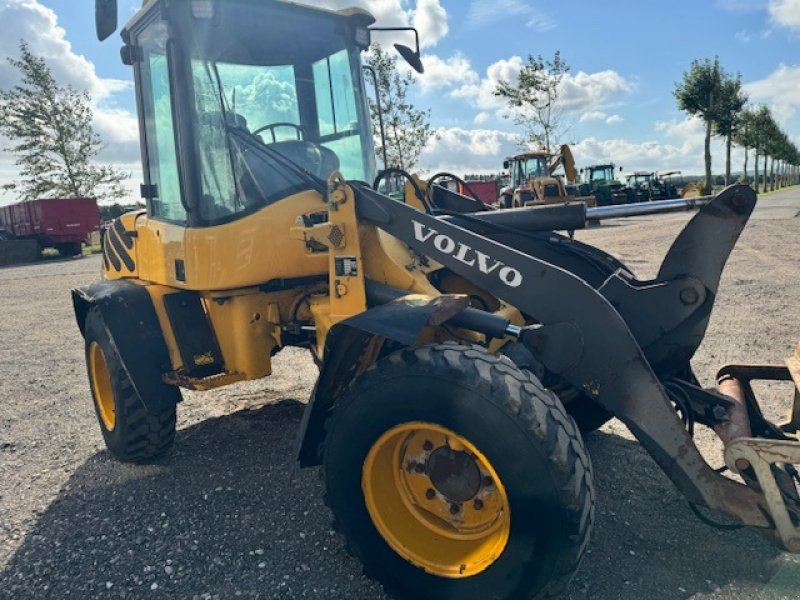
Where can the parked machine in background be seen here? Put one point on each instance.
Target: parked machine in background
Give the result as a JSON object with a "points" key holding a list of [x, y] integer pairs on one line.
{"points": [[679, 187], [649, 186], [601, 182], [61, 223], [533, 180]]}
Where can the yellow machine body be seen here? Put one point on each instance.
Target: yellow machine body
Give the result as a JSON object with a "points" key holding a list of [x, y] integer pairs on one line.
{"points": [[229, 264]]}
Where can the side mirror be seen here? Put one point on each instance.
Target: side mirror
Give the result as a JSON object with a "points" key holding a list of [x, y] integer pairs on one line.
{"points": [[105, 18], [620, 169], [506, 164], [411, 57]]}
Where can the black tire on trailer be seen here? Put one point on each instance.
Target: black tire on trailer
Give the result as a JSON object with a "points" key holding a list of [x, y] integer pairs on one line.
{"points": [[401, 453], [69, 249], [132, 432]]}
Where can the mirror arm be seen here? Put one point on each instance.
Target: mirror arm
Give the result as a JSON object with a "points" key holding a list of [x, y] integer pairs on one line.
{"points": [[414, 29]]}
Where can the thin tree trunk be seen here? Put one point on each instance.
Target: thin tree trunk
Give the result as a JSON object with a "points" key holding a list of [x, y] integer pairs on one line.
{"points": [[766, 173], [772, 175], [708, 156], [745, 164], [728, 160], [755, 169]]}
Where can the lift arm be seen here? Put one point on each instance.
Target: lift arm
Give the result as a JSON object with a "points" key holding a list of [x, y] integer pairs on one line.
{"points": [[584, 338]]}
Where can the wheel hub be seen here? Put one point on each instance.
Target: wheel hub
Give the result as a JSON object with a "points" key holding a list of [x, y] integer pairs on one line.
{"points": [[455, 474], [436, 500]]}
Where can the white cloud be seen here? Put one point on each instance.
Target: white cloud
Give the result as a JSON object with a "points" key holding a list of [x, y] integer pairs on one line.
{"points": [[578, 92], [540, 22], [785, 13], [483, 12], [614, 119], [780, 90], [441, 73], [428, 16], [468, 150], [430, 19], [593, 115], [584, 91], [481, 118], [481, 94]]}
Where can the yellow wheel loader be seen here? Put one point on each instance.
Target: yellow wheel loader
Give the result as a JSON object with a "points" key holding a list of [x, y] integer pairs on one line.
{"points": [[462, 350]]}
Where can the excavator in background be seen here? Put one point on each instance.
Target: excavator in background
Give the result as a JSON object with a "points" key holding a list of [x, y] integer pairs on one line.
{"points": [[463, 350], [533, 180]]}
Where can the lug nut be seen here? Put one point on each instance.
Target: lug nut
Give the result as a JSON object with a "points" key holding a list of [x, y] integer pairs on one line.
{"points": [[430, 494], [487, 481], [454, 509], [427, 446], [478, 504], [419, 468]]}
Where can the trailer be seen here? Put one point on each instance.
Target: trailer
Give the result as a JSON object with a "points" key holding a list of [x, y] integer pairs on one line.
{"points": [[60, 223]]}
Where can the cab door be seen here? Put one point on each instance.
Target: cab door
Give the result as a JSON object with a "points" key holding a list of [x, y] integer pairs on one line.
{"points": [[160, 233]]}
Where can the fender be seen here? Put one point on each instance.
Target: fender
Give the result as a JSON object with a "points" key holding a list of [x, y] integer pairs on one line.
{"points": [[353, 345], [129, 317]]}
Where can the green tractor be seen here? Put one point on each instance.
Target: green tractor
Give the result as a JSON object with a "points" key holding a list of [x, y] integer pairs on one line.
{"points": [[599, 181]]}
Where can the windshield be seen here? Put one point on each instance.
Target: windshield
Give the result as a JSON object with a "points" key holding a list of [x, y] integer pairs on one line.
{"points": [[602, 174], [526, 169], [273, 116]]}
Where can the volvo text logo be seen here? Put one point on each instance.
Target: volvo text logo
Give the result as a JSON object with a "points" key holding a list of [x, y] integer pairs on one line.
{"points": [[467, 255]]}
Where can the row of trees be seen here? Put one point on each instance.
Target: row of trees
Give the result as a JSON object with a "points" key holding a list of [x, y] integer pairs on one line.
{"points": [[710, 92]]}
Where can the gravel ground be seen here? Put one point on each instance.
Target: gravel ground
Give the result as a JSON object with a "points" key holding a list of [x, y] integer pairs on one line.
{"points": [[227, 515]]}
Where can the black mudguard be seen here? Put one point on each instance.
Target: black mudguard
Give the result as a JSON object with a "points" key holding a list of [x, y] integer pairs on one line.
{"points": [[346, 349], [132, 324]]}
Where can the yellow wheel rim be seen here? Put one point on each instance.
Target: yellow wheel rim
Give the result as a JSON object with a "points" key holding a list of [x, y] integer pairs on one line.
{"points": [[436, 499], [101, 386]]}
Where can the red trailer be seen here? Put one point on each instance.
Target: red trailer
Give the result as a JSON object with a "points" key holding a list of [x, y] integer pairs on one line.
{"points": [[486, 190], [60, 223]]}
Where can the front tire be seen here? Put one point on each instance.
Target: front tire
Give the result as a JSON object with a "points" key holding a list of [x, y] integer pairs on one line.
{"points": [[132, 432], [454, 474]]}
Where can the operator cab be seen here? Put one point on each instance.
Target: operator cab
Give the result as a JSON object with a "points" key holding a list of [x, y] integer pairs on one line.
{"points": [[525, 167], [245, 103]]}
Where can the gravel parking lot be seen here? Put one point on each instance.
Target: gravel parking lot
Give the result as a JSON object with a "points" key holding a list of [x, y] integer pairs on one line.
{"points": [[226, 514]]}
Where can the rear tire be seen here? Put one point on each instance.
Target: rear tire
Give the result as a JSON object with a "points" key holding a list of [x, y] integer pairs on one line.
{"points": [[68, 250], [502, 419], [132, 432]]}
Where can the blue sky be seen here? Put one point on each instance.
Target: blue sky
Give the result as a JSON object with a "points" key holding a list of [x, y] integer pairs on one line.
{"points": [[625, 57]]}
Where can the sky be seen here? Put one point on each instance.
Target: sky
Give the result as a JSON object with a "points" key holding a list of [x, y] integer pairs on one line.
{"points": [[625, 57]]}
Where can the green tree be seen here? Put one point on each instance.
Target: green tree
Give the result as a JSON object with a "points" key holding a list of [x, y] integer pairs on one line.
{"points": [[50, 127], [407, 128], [730, 106], [533, 101], [746, 136], [698, 93]]}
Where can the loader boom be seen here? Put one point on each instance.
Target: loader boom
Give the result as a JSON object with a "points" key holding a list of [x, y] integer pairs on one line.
{"points": [[583, 337]]}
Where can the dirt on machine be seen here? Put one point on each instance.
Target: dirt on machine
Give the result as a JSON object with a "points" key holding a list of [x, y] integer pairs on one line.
{"points": [[533, 180], [464, 351]]}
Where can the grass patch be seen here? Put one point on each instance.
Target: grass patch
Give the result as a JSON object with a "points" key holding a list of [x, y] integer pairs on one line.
{"points": [[780, 191]]}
